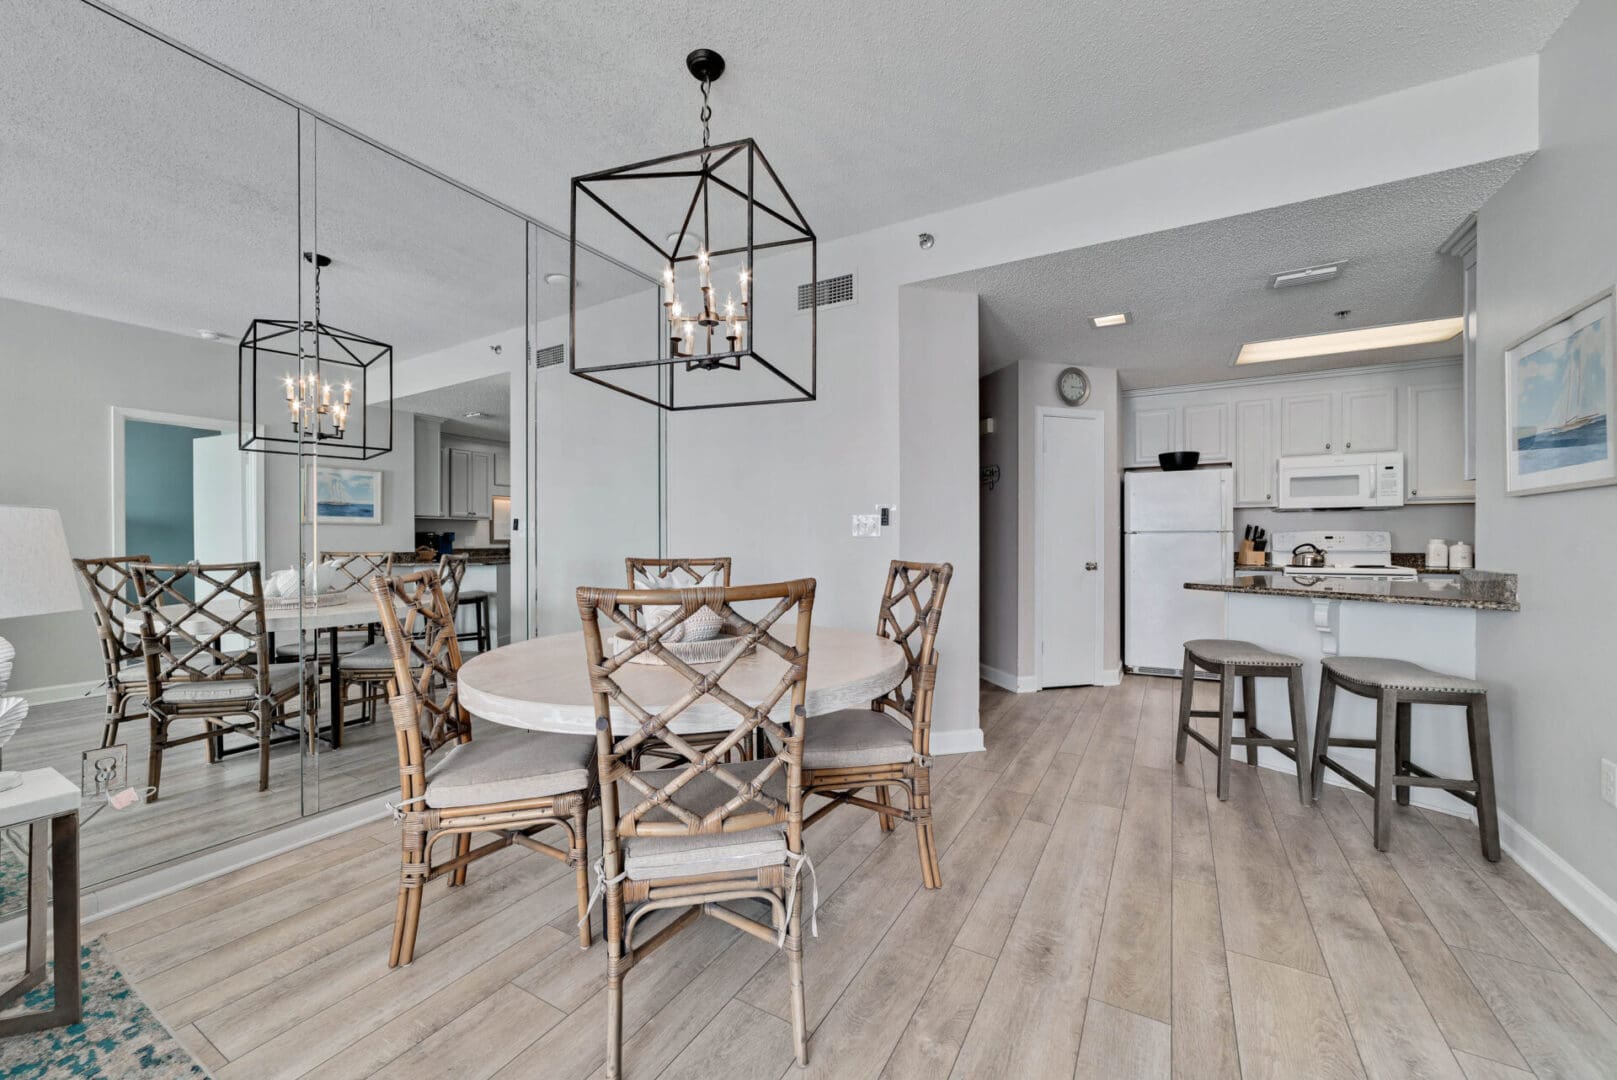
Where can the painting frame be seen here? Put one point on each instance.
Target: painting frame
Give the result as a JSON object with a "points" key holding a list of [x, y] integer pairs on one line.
{"points": [[1559, 389], [360, 492]]}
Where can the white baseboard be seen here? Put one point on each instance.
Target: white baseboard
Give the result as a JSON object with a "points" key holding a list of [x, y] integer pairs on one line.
{"points": [[969, 741], [46, 695], [1110, 677], [1023, 684], [1582, 897]]}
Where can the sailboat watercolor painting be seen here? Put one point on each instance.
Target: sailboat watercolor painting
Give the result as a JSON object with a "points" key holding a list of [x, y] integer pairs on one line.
{"points": [[348, 496], [1558, 404]]}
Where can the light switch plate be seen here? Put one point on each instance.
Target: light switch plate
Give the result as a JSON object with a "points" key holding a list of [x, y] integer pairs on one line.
{"points": [[867, 524], [104, 770]]}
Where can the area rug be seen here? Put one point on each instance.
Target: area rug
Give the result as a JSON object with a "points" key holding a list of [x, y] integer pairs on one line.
{"points": [[118, 1038]]}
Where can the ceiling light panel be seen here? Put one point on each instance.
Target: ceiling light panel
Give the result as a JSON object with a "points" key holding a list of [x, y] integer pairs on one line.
{"points": [[1308, 275], [1121, 318], [1366, 339]]}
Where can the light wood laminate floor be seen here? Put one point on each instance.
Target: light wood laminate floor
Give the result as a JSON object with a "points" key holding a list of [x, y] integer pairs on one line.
{"points": [[1102, 915]]}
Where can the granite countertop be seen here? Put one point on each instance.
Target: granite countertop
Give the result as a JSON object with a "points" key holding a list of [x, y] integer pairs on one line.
{"points": [[486, 556], [1479, 590]]}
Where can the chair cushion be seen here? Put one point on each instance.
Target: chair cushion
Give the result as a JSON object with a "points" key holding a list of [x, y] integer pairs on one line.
{"points": [[656, 857], [849, 738], [1400, 675], [282, 678], [372, 658], [504, 770], [1229, 651]]}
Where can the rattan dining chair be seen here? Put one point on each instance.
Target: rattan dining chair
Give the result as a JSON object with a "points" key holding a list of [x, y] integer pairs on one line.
{"points": [[707, 832], [889, 745], [202, 635], [110, 582], [510, 789], [371, 668]]}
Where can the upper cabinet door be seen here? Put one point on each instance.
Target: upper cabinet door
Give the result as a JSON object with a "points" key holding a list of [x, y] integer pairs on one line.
{"points": [[460, 470], [1305, 424], [1156, 432], [480, 499], [1435, 469], [1207, 429], [1254, 453], [1369, 420]]}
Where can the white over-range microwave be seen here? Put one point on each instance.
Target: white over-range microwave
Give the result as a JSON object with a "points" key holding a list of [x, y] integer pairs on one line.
{"points": [[1341, 481]]}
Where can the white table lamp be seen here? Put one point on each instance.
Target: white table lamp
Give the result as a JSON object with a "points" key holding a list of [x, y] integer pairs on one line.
{"points": [[36, 578]]}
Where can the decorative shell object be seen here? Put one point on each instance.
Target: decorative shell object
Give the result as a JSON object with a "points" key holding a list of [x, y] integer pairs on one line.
{"points": [[12, 711], [8, 653], [709, 651]]}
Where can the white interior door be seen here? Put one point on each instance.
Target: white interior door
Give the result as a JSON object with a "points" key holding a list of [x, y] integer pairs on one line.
{"points": [[1069, 583], [224, 501]]}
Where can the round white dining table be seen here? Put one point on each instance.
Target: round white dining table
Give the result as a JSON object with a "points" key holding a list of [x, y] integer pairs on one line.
{"points": [[542, 683]]}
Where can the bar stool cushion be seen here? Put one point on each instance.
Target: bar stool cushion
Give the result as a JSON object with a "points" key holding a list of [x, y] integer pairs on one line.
{"points": [[506, 770], [472, 594], [651, 857], [849, 738], [1400, 675], [1230, 651]]}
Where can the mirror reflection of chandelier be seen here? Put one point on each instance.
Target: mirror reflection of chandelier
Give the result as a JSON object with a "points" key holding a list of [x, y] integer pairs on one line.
{"points": [[731, 207]]}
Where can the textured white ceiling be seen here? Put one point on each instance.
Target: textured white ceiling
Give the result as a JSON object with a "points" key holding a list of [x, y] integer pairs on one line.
{"points": [[871, 112], [1199, 292], [490, 396]]}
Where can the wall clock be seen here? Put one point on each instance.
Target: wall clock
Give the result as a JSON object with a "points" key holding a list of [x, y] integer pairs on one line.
{"points": [[1073, 386]]}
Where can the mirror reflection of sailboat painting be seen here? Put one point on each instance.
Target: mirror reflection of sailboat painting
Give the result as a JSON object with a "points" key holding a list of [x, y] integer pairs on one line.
{"points": [[348, 496], [1560, 398]]}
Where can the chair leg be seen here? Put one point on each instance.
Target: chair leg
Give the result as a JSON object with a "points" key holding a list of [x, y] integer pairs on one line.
{"points": [[1299, 733], [1187, 689], [154, 756], [1322, 730], [921, 808], [1476, 722], [794, 975], [580, 858], [882, 797], [1249, 706], [1226, 722], [265, 726], [614, 977], [407, 915], [1386, 724], [463, 847], [1401, 756]]}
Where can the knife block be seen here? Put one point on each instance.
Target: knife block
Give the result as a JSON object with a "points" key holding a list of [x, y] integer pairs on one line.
{"points": [[1245, 555]]}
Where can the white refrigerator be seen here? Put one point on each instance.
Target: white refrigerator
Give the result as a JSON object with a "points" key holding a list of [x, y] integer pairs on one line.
{"points": [[1177, 527]]}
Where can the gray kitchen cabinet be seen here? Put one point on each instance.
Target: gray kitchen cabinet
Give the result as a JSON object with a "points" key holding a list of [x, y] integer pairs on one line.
{"points": [[480, 494], [1206, 429], [429, 486], [460, 476], [1369, 419], [1306, 422], [1435, 465], [1155, 432], [1254, 455]]}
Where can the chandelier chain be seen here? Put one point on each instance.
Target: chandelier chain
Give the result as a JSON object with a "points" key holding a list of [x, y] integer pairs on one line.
{"points": [[707, 110]]}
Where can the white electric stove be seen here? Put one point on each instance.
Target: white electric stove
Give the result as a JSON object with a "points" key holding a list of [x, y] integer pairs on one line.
{"points": [[1362, 554]]}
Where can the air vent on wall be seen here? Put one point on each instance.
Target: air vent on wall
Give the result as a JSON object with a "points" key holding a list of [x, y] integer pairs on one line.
{"points": [[825, 292], [550, 356]]}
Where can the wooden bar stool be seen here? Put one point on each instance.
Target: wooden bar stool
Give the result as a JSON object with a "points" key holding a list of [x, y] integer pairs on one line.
{"points": [[480, 634], [1231, 660], [1395, 685]]}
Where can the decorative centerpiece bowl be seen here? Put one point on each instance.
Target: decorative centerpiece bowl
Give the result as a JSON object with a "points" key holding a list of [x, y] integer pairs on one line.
{"points": [[692, 652]]}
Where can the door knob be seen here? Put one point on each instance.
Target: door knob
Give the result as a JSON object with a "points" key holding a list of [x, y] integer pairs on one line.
{"points": [[1091, 566]]}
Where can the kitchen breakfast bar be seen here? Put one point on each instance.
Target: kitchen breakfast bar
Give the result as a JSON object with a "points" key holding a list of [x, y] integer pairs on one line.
{"points": [[1431, 621]]}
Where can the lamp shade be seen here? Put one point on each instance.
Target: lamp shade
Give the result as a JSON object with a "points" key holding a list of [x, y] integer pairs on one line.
{"points": [[36, 571]]}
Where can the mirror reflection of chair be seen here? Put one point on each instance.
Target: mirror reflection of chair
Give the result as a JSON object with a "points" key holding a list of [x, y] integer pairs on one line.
{"points": [[370, 669], [110, 581], [202, 633], [510, 788]]}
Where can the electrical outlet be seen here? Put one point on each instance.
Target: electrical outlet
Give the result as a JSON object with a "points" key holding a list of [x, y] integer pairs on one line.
{"points": [[1608, 781], [101, 771], [867, 524]]}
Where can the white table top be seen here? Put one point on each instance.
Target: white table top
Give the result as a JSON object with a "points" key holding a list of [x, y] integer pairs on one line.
{"points": [[359, 611], [542, 684], [44, 793]]}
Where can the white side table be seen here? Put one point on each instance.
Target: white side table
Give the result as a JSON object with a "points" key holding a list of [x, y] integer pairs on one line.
{"points": [[49, 805]]}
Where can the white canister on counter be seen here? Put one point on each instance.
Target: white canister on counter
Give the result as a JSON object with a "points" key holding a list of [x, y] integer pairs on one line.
{"points": [[1437, 555], [1460, 556]]}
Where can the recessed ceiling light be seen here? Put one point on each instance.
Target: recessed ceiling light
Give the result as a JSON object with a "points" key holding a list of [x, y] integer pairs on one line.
{"points": [[1308, 275], [1121, 318], [474, 415], [210, 335], [692, 239], [556, 279], [1351, 341]]}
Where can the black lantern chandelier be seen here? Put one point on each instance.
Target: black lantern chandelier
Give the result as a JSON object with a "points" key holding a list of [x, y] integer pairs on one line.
{"points": [[325, 403], [727, 206]]}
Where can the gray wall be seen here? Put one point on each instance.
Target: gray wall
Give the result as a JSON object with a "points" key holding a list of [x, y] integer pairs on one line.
{"points": [[997, 398], [1548, 241]]}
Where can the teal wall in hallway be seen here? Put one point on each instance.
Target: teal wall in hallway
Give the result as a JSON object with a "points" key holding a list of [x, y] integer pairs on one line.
{"points": [[157, 490]]}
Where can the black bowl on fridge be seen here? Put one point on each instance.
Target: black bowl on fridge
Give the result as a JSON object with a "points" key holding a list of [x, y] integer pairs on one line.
{"points": [[1179, 460]]}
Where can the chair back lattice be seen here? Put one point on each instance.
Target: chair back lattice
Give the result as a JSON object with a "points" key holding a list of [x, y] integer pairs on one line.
{"points": [[911, 608], [451, 572], [651, 809], [693, 570], [114, 593], [202, 622], [418, 623], [356, 568]]}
